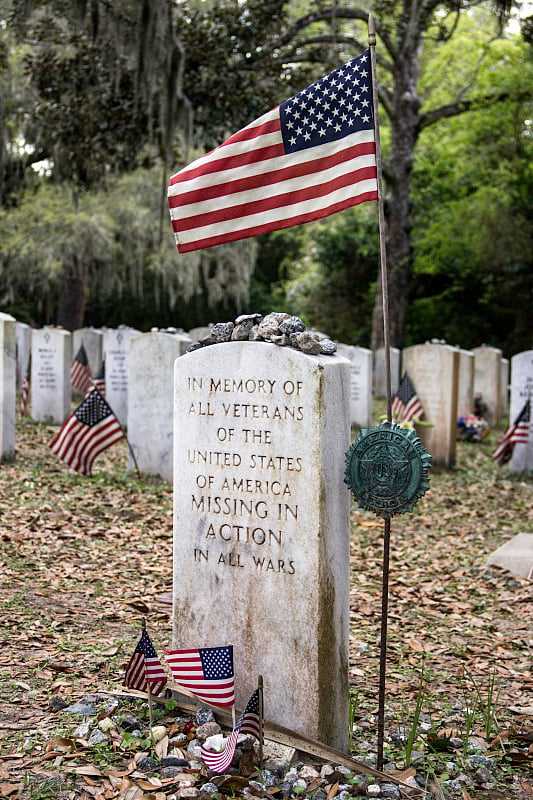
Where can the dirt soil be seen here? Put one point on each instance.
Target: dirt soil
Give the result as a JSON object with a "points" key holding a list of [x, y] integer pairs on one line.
{"points": [[84, 560]]}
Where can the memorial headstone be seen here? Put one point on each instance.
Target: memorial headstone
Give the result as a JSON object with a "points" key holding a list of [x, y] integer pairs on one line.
{"points": [[434, 372], [261, 524], [516, 555], [465, 389], [150, 370], [23, 351], [8, 383], [504, 387], [361, 383], [487, 379], [50, 375], [521, 390], [380, 377], [92, 340], [116, 347]]}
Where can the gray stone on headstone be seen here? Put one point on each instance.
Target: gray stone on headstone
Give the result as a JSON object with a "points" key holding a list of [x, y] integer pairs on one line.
{"points": [[434, 370], [51, 357], [521, 389], [487, 378], [150, 372], [516, 555], [361, 383], [23, 351], [380, 377], [92, 340], [116, 346], [8, 385], [261, 525], [465, 387]]}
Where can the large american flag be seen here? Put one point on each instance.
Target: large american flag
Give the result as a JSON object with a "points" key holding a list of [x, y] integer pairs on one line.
{"points": [[406, 404], [144, 670], [517, 433], [249, 722], [309, 157], [207, 672], [89, 430], [80, 373]]}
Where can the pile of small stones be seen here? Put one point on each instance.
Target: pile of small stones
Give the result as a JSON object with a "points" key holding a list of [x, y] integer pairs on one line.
{"points": [[280, 778], [277, 328]]}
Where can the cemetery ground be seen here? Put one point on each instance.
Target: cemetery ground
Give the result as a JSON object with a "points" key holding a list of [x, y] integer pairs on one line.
{"points": [[83, 560]]}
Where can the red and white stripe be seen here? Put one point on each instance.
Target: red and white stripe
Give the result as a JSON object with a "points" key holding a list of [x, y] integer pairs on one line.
{"points": [[78, 444], [186, 668], [249, 185]]}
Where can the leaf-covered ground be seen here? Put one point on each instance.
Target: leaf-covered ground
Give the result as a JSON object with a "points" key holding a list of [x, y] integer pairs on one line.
{"points": [[84, 559]]}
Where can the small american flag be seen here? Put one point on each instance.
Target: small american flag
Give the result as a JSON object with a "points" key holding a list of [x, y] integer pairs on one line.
{"points": [[89, 430], [144, 670], [248, 722], [80, 374], [517, 433], [311, 156], [206, 672], [405, 403], [25, 391]]}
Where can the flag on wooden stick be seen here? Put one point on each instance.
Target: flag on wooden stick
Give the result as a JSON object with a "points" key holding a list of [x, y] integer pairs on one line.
{"points": [[207, 672], [145, 671], [89, 430], [248, 723], [517, 433], [406, 404], [80, 373], [306, 159]]}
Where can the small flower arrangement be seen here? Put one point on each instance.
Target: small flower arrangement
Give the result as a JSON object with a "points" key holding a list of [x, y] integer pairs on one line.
{"points": [[472, 428]]}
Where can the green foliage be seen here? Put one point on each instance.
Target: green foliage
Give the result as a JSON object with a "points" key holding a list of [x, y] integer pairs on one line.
{"points": [[473, 195], [326, 273]]}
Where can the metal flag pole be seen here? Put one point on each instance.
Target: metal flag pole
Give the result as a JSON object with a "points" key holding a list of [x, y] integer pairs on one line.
{"points": [[386, 342], [261, 715]]}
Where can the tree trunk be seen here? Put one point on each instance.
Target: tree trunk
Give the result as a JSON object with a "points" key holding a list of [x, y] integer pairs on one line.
{"points": [[72, 303], [404, 130]]}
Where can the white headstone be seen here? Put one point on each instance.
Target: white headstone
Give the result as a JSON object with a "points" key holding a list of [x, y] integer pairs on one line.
{"points": [[504, 386], [8, 382], [23, 351], [380, 377], [116, 349], [261, 525], [92, 340], [465, 389], [51, 357], [521, 389], [361, 383], [516, 555], [199, 333], [487, 377], [434, 371], [150, 371]]}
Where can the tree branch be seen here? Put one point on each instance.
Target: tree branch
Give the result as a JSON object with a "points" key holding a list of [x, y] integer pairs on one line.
{"points": [[463, 106], [327, 14], [331, 39]]}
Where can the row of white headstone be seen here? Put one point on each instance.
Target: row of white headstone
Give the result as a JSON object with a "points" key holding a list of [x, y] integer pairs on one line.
{"points": [[138, 388]]}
